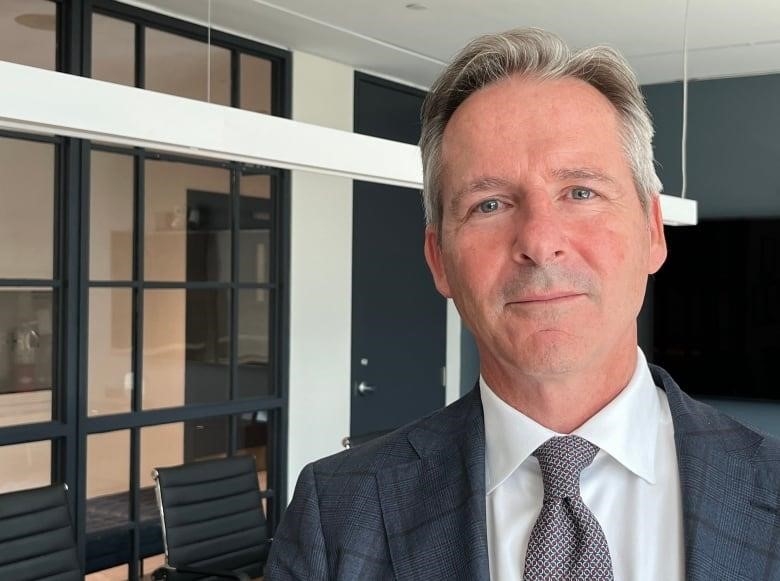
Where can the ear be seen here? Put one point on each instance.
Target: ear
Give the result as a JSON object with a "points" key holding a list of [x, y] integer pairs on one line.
{"points": [[657, 254], [433, 256]]}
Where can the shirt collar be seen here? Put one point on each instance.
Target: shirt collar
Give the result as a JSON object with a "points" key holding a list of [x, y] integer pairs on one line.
{"points": [[626, 429]]}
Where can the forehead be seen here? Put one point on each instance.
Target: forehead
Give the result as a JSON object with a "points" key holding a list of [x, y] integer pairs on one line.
{"points": [[522, 120]]}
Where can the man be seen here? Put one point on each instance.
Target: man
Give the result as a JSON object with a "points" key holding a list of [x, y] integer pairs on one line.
{"points": [[572, 458]]}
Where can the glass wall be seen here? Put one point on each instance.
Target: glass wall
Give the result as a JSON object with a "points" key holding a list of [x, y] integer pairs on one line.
{"points": [[30, 285], [180, 61], [141, 293], [182, 303], [187, 68], [26, 465]]}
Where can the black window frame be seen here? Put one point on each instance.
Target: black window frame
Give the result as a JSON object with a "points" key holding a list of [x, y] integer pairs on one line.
{"points": [[70, 424], [139, 418], [280, 59], [55, 430]]}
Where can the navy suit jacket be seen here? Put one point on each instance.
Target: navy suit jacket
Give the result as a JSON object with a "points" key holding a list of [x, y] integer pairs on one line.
{"points": [[411, 505]]}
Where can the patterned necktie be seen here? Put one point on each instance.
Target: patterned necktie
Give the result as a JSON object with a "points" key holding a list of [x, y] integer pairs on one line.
{"points": [[567, 543]]}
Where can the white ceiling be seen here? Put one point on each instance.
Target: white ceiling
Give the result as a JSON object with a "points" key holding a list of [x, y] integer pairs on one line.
{"points": [[726, 37]]}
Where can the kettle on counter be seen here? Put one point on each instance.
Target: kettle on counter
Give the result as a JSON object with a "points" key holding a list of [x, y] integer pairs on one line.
{"points": [[25, 342]]}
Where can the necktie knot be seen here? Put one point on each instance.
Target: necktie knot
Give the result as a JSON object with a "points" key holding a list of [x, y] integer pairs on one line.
{"points": [[562, 460], [567, 542]]}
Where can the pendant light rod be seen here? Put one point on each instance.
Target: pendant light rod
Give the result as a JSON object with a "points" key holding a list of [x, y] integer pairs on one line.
{"points": [[684, 143], [208, 55]]}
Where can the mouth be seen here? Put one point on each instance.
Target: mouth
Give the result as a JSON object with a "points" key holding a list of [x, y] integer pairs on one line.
{"points": [[547, 298]]}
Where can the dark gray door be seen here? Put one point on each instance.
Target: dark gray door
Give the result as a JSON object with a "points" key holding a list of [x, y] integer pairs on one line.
{"points": [[398, 318]]}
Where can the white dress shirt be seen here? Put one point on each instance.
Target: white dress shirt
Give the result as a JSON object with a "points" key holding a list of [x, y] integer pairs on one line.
{"points": [[632, 486]]}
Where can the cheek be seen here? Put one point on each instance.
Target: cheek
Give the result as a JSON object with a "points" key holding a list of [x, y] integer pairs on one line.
{"points": [[473, 264], [604, 247], [464, 268], [620, 259]]}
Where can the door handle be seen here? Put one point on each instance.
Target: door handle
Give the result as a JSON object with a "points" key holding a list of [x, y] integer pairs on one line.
{"points": [[364, 389]]}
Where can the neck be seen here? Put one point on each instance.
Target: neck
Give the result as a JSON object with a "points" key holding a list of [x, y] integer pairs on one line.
{"points": [[561, 402]]}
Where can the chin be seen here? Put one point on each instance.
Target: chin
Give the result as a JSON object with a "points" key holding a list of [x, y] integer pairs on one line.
{"points": [[548, 366], [552, 353]]}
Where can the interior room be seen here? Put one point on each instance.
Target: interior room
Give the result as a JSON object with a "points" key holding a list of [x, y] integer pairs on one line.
{"points": [[211, 237]]}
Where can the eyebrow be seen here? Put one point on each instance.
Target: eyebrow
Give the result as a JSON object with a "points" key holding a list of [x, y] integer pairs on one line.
{"points": [[581, 173]]}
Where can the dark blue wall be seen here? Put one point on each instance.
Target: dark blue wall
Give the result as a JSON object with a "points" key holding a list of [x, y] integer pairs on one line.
{"points": [[733, 167], [733, 146]]}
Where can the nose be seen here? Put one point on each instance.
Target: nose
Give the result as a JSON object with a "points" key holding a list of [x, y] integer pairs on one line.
{"points": [[539, 236]]}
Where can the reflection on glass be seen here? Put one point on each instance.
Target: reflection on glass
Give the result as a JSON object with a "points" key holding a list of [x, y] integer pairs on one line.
{"points": [[26, 338], [187, 228], [186, 347], [28, 32], [256, 211], [31, 466], [164, 357], [256, 183], [179, 66], [108, 479], [254, 370], [25, 408], [255, 84], [111, 217], [252, 438], [110, 380], [113, 50], [27, 201]]}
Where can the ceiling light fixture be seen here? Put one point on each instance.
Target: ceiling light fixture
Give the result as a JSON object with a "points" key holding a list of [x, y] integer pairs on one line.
{"points": [[37, 21]]}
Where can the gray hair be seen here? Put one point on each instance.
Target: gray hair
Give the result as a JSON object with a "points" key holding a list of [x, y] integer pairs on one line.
{"points": [[543, 55]]}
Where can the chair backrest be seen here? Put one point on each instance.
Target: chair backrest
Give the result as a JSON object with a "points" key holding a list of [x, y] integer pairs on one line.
{"points": [[36, 536], [211, 515]]}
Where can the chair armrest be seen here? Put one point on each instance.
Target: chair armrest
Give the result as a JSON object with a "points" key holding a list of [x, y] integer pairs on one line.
{"points": [[170, 572]]}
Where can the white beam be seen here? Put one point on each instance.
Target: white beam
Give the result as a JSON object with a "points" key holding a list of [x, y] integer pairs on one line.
{"points": [[43, 101], [679, 211]]}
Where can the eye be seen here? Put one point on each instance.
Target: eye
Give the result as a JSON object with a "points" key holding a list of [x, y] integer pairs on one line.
{"points": [[488, 206], [582, 193]]}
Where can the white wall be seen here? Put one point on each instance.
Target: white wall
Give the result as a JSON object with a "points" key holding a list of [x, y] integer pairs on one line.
{"points": [[320, 276]]}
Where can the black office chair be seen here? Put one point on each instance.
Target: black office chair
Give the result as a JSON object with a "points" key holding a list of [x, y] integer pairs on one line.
{"points": [[36, 536], [212, 521]]}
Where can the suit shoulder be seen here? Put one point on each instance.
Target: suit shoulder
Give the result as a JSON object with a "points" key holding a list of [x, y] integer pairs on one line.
{"points": [[398, 446], [702, 424], [769, 450]]}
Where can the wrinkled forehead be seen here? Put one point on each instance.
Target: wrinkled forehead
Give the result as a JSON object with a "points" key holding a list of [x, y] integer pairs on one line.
{"points": [[506, 123]]}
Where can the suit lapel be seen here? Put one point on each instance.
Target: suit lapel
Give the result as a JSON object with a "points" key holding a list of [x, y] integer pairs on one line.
{"points": [[434, 508], [724, 497]]}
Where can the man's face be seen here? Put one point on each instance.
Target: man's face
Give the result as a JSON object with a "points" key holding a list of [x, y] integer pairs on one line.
{"points": [[544, 246]]}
